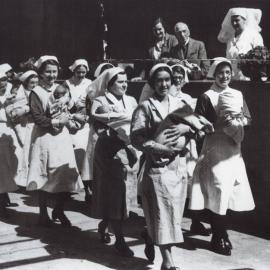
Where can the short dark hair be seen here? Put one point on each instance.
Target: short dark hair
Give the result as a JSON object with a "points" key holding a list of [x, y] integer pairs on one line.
{"points": [[114, 78], [179, 70], [159, 20], [151, 79], [221, 65], [81, 66], [48, 62]]}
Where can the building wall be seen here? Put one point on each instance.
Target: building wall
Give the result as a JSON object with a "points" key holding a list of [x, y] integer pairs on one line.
{"points": [[66, 28], [71, 28], [131, 20]]}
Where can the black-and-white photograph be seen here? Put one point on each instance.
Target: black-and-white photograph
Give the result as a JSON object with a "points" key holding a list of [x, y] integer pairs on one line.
{"points": [[134, 134]]}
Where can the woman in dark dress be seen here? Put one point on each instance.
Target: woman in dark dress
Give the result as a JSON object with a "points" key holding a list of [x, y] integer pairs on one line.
{"points": [[111, 157]]}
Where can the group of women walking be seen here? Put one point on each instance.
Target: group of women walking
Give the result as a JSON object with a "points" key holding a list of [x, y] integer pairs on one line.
{"points": [[83, 130]]}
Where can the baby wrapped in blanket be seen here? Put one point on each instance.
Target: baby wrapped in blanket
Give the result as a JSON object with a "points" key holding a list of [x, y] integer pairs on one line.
{"points": [[191, 125], [230, 112], [121, 128], [17, 110]]}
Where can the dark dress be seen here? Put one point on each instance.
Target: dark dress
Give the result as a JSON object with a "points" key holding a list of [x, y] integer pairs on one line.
{"points": [[109, 188]]}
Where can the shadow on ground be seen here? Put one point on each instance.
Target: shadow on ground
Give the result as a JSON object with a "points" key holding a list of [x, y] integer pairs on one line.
{"points": [[72, 243]]}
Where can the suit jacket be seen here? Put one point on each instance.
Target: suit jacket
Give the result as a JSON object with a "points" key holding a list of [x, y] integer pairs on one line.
{"points": [[170, 41], [194, 51]]}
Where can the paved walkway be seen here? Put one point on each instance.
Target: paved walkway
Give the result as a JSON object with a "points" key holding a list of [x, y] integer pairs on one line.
{"points": [[23, 245]]}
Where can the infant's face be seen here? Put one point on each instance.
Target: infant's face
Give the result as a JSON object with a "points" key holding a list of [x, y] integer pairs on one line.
{"points": [[59, 92]]}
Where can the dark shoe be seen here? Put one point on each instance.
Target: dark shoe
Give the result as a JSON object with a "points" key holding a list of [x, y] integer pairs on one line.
{"points": [[104, 236], [228, 242], [149, 249], [123, 249], [10, 204], [87, 197], [218, 245], [3, 212], [198, 229], [44, 221], [59, 215]]}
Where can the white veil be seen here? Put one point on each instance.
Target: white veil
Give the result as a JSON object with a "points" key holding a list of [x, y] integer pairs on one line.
{"points": [[252, 16]]}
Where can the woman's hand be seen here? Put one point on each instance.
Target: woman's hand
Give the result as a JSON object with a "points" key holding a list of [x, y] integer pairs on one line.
{"points": [[81, 118], [63, 120], [178, 130]]}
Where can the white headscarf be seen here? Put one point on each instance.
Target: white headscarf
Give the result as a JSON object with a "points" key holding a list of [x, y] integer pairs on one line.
{"points": [[214, 65], [26, 75], [251, 15], [99, 86], [99, 68], [5, 67], [45, 58], [2, 74], [157, 66], [79, 62], [147, 90]]}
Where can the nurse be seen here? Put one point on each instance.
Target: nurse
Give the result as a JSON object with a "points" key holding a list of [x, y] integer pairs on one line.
{"points": [[53, 167], [77, 85], [220, 179], [8, 147], [163, 187]]}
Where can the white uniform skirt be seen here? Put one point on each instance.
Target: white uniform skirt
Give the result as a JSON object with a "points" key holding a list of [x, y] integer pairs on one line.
{"points": [[8, 158], [80, 141], [163, 192], [52, 163], [23, 167], [220, 180], [88, 163]]}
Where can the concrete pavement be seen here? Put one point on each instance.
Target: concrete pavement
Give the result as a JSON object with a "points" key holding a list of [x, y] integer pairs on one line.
{"points": [[24, 245]]}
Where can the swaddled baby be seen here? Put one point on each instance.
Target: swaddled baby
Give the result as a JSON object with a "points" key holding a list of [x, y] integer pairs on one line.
{"points": [[17, 110], [58, 105], [191, 125], [122, 126], [230, 111], [197, 125], [128, 154]]}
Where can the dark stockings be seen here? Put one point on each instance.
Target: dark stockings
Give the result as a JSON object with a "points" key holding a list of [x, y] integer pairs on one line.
{"points": [[218, 224], [42, 200]]}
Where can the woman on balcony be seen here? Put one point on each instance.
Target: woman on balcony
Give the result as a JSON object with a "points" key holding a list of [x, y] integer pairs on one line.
{"points": [[240, 30]]}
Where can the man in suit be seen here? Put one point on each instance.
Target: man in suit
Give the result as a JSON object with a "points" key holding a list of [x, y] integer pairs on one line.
{"points": [[190, 50]]}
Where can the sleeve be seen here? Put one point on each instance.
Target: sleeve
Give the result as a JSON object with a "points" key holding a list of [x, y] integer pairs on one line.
{"points": [[108, 117], [201, 105], [174, 41], [257, 40], [246, 113], [204, 63], [38, 114], [173, 51], [139, 132], [201, 109]]}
